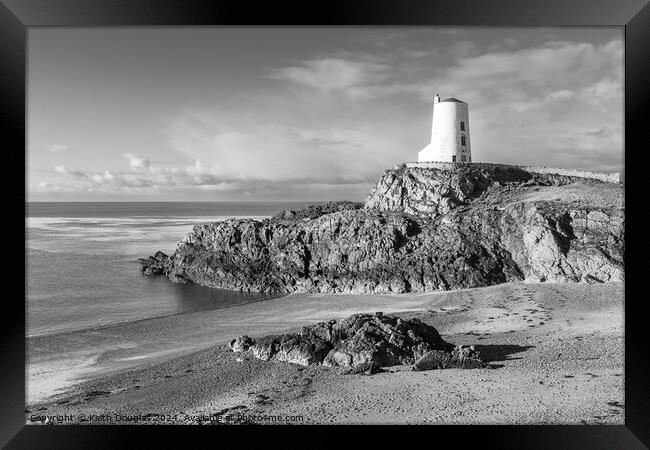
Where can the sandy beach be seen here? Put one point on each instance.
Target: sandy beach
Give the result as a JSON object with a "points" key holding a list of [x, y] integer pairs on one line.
{"points": [[555, 352]]}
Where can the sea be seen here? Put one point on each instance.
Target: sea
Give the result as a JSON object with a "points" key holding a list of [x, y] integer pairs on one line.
{"points": [[82, 261]]}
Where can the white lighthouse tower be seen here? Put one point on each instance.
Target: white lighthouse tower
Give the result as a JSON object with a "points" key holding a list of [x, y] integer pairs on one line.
{"points": [[450, 140]]}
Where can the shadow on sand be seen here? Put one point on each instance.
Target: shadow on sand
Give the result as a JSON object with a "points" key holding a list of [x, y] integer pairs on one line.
{"points": [[493, 353]]}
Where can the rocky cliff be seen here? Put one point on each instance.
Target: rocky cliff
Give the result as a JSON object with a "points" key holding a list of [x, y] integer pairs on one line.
{"points": [[420, 229]]}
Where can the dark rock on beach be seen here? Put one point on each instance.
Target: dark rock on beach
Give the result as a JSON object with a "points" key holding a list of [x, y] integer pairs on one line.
{"points": [[362, 343], [241, 344], [421, 229], [461, 357]]}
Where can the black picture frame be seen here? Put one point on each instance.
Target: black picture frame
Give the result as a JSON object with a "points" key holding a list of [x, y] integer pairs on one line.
{"points": [[16, 16]]}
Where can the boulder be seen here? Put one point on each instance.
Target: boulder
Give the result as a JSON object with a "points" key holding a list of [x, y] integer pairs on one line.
{"points": [[241, 344], [461, 357], [264, 348], [302, 349], [362, 343], [381, 339], [432, 360]]}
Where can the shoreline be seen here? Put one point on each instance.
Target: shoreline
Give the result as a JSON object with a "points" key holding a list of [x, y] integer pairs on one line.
{"points": [[553, 347], [63, 359]]}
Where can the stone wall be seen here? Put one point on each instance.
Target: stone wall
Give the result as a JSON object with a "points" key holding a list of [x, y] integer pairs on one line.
{"points": [[604, 177]]}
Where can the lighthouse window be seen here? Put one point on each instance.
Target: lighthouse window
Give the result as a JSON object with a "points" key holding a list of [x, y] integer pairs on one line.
{"points": [[462, 126], [463, 158], [462, 139], [453, 158]]}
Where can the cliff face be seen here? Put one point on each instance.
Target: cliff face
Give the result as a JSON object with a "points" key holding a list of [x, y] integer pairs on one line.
{"points": [[436, 191], [554, 227], [421, 229]]}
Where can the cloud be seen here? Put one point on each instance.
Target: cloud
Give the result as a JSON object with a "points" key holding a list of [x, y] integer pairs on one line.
{"points": [[63, 170], [604, 132], [58, 148], [332, 74], [464, 48], [137, 162], [198, 175], [604, 93], [84, 175], [333, 145], [527, 75], [529, 72], [227, 153], [559, 96]]}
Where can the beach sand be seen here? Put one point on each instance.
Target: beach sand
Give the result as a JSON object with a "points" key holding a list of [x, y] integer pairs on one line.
{"points": [[556, 355]]}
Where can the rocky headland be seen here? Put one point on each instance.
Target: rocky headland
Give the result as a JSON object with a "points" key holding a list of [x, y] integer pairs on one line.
{"points": [[422, 228]]}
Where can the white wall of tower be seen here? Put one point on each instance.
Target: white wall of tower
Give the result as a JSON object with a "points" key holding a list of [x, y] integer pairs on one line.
{"points": [[447, 135]]}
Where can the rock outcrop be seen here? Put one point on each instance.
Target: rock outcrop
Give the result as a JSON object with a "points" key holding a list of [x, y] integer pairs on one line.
{"points": [[154, 265], [362, 343], [432, 192], [421, 229], [315, 211], [460, 357]]}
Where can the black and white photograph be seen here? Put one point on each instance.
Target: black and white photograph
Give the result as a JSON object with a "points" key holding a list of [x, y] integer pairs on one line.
{"points": [[295, 225]]}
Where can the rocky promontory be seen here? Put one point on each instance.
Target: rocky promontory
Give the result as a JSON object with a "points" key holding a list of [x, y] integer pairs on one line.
{"points": [[421, 228]]}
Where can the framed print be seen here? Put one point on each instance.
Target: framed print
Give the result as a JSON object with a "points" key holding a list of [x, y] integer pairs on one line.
{"points": [[363, 213]]}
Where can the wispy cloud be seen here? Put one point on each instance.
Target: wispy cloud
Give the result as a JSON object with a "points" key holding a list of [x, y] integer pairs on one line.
{"points": [[332, 74], [552, 68], [529, 72]]}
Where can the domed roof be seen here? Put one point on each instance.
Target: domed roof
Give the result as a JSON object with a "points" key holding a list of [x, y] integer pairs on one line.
{"points": [[452, 99]]}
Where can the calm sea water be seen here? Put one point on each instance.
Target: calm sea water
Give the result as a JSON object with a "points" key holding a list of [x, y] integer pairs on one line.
{"points": [[82, 269]]}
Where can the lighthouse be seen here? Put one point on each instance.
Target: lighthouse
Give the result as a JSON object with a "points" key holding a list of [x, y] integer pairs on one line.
{"points": [[450, 140]]}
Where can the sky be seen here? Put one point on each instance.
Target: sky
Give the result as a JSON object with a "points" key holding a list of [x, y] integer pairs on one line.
{"points": [[305, 113]]}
